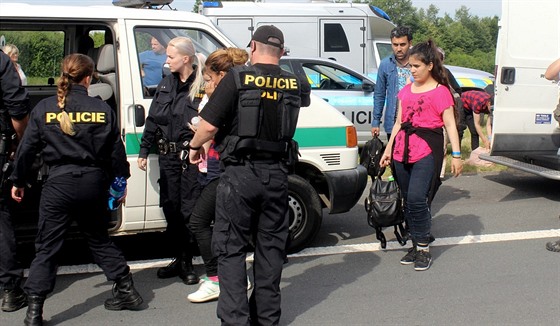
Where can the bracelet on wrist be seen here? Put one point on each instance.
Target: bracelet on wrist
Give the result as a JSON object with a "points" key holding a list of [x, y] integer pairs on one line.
{"points": [[458, 157], [195, 148], [456, 154]]}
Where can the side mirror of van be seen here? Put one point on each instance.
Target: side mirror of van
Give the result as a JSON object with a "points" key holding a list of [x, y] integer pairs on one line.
{"points": [[139, 115], [368, 86]]}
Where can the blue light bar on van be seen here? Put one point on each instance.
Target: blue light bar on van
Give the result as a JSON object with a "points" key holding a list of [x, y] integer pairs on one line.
{"points": [[212, 4], [379, 12]]}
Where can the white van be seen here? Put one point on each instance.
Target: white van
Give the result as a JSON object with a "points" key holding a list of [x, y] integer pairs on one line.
{"points": [[355, 35], [326, 176], [525, 134]]}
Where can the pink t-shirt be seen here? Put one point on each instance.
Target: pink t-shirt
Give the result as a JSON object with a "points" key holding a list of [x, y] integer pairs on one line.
{"points": [[423, 110]]}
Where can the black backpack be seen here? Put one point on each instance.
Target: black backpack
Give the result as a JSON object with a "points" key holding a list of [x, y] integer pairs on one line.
{"points": [[371, 155], [385, 207]]}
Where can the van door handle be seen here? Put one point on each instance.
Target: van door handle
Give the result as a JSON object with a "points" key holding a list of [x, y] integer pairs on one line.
{"points": [[508, 76], [139, 115]]}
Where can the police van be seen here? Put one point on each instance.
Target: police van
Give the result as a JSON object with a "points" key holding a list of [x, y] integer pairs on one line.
{"points": [[355, 35], [525, 134], [327, 175]]}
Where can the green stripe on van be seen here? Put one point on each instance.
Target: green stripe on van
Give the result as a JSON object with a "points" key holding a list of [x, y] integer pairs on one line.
{"points": [[306, 137], [321, 137], [132, 143]]}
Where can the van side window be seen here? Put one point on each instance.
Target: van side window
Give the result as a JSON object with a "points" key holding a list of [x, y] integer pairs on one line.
{"points": [[335, 39], [327, 77], [384, 49], [39, 55], [151, 43], [30, 45]]}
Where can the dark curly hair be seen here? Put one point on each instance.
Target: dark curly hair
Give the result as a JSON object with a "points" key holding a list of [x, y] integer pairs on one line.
{"points": [[401, 31]]}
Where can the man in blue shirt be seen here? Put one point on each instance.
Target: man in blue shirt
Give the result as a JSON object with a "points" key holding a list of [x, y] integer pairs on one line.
{"points": [[393, 74], [152, 63]]}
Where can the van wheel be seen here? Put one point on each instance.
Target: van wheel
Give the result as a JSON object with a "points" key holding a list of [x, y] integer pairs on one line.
{"points": [[305, 211]]}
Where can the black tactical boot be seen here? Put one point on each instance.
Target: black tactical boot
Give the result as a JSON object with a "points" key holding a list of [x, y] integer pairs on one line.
{"points": [[125, 295], [187, 273], [170, 270], [34, 316], [13, 299]]}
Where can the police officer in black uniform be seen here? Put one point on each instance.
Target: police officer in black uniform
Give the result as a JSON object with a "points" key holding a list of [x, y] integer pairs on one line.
{"points": [[174, 105], [80, 142], [14, 109], [253, 114]]}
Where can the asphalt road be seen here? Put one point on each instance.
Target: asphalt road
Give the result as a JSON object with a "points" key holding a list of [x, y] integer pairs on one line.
{"points": [[490, 268]]}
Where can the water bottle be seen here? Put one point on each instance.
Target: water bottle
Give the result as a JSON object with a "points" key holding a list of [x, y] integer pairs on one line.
{"points": [[116, 192]]}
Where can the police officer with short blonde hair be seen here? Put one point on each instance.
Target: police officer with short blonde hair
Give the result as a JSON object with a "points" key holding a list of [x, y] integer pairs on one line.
{"points": [[80, 141], [253, 114]]}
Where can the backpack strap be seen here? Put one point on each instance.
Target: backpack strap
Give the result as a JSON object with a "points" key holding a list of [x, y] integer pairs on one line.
{"points": [[381, 237], [400, 233]]}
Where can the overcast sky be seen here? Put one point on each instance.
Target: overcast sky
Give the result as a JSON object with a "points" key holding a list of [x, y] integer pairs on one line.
{"points": [[481, 8]]}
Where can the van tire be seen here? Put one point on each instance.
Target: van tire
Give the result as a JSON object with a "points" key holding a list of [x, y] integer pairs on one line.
{"points": [[305, 212]]}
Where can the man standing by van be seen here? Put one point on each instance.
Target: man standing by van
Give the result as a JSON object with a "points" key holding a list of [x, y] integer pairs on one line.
{"points": [[252, 195], [393, 74], [152, 62]]}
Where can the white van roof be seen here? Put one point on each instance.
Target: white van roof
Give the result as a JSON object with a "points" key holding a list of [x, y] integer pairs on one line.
{"points": [[249, 8], [24, 10]]}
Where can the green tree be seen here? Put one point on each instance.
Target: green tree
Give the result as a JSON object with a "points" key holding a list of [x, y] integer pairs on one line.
{"points": [[40, 52], [469, 41], [401, 12]]}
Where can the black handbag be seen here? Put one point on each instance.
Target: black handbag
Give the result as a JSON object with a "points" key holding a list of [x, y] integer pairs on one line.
{"points": [[385, 207]]}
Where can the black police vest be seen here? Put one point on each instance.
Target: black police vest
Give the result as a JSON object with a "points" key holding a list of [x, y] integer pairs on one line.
{"points": [[255, 88]]}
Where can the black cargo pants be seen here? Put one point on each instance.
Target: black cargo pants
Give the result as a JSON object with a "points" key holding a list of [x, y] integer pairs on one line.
{"points": [[73, 193], [11, 272], [251, 203], [178, 191]]}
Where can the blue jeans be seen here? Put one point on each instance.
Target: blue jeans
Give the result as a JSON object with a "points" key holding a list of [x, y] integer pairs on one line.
{"points": [[414, 181]]}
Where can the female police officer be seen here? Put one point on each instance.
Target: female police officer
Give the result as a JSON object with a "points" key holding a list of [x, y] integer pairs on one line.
{"points": [[80, 141], [172, 107]]}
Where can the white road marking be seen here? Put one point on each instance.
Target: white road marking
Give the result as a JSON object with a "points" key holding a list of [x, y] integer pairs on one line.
{"points": [[343, 249]]}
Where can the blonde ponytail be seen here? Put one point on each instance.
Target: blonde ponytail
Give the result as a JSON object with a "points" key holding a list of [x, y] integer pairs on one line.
{"points": [[75, 67], [66, 124]]}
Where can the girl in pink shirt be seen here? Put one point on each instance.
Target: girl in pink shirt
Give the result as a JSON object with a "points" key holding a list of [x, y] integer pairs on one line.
{"points": [[416, 146]]}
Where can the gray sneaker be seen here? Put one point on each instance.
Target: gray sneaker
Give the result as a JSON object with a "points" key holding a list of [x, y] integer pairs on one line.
{"points": [[410, 256], [423, 260]]}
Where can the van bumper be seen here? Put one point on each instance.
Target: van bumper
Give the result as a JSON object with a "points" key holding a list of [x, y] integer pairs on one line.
{"points": [[346, 188]]}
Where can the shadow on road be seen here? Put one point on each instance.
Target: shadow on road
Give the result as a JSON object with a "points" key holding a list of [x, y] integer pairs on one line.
{"points": [[525, 185], [322, 280]]}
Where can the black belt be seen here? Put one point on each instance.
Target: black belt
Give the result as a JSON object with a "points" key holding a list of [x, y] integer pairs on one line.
{"points": [[173, 147], [273, 157], [166, 147]]}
